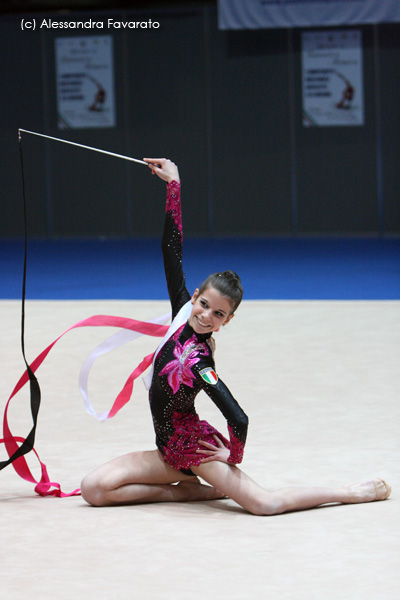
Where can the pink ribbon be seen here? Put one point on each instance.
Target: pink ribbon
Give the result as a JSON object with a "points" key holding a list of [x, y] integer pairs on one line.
{"points": [[45, 487]]}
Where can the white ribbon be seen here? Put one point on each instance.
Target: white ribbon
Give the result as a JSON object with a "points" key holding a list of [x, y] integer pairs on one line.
{"points": [[119, 339], [115, 341]]}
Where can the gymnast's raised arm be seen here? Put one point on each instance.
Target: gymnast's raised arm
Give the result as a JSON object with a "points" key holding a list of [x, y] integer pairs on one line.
{"points": [[172, 235]]}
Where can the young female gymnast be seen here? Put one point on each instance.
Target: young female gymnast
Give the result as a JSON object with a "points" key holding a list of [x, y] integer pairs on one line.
{"points": [[187, 447]]}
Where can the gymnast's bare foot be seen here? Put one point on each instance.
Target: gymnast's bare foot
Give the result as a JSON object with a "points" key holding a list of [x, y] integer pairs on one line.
{"points": [[368, 491], [194, 491]]}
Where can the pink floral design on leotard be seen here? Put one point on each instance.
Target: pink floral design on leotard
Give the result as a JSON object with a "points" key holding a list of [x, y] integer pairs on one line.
{"points": [[180, 370]]}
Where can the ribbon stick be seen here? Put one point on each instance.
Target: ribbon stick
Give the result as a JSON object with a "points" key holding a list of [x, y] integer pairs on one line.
{"points": [[49, 137]]}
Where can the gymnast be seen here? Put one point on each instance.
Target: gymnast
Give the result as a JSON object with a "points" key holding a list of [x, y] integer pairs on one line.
{"points": [[187, 447]]}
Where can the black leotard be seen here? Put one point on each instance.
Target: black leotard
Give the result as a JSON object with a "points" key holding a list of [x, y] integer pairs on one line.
{"points": [[184, 366]]}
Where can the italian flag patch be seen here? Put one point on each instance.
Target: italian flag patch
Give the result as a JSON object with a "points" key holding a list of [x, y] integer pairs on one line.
{"points": [[209, 375]]}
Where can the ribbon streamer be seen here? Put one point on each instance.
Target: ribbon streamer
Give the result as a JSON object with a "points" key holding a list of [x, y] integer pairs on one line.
{"points": [[115, 341], [44, 486], [15, 451]]}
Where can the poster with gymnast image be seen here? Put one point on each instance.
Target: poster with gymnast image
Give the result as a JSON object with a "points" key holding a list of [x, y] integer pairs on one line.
{"points": [[332, 78], [85, 82]]}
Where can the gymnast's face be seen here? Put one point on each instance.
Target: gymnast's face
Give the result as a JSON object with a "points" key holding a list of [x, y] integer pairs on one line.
{"points": [[210, 311]]}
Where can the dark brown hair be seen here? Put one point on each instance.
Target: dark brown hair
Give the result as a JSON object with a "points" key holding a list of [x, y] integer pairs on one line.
{"points": [[228, 284]]}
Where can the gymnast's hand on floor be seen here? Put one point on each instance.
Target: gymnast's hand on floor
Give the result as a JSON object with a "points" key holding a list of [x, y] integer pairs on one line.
{"points": [[164, 168], [218, 452]]}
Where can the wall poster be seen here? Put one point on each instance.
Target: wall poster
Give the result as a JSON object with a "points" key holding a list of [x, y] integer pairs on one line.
{"points": [[332, 78], [85, 82]]}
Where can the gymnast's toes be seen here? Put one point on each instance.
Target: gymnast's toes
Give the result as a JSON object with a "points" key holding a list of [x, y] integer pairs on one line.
{"points": [[368, 491], [382, 489]]}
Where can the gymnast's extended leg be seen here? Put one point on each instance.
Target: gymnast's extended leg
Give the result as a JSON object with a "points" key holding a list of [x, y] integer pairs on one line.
{"points": [[234, 483]]}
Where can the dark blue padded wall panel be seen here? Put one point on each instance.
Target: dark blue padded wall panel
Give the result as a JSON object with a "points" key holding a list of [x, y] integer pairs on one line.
{"points": [[337, 166], [166, 111], [251, 148], [389, 90], [21, 106], [226, 106]]}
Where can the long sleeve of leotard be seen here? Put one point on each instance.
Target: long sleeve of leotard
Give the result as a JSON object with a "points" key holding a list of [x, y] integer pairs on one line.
{"points": [[236, 418], [172, 248]]}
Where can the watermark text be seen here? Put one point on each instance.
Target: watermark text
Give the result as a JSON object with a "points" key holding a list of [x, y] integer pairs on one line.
{"points": [[32, 24]]}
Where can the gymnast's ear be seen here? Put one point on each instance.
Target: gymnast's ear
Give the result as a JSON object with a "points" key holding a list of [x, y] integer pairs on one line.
{"points": [[194, 297], [229, 318]]}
